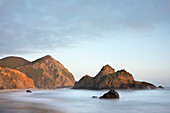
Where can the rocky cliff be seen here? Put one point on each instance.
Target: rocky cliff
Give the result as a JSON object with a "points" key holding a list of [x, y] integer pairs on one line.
{"points": [[46, 72], [14, 79], [107, 78]]}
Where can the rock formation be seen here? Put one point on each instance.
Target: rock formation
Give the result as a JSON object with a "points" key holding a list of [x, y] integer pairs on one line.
{"points": [[13, 62], [112, 94], [14, 79], [46, 72], [107, 78]]}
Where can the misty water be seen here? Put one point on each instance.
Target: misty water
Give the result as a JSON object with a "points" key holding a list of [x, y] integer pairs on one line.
{"points": [[67, 100]]}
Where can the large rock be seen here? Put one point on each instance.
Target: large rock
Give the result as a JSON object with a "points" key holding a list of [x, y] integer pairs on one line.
{"points": [[112, 94], [46, 72], [14, 79], [107, 78]]}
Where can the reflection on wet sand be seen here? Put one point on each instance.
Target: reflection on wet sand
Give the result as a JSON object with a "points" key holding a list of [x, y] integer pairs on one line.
{"points": [[7, 106]]}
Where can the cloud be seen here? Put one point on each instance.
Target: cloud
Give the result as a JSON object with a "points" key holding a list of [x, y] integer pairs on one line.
{"points": [[37, 25]]}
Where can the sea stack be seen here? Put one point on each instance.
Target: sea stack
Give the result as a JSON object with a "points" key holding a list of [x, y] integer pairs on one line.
{"points": [[107, 78]]}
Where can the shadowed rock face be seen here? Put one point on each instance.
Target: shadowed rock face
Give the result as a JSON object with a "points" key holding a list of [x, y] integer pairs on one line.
{"points": [[14, 79], [84, 82], [107, 78], [46, 72]]}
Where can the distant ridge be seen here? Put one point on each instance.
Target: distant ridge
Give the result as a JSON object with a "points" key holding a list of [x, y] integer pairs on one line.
{"points": [[13, 62]]}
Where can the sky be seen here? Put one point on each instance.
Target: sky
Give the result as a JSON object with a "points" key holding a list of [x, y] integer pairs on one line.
{"points": [[85, 35]]}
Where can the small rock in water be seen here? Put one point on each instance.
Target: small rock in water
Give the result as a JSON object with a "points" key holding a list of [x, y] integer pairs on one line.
{"points": [[160, 87], [94, 97], [28, 91], [112, 94]]}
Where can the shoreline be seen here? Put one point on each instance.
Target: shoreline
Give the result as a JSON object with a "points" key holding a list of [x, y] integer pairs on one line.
{"points": [[39, 89], [32, 89], [5, 90]]}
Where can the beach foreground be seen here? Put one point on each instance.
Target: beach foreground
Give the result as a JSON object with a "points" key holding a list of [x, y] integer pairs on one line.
{"points": [[67, 100]]}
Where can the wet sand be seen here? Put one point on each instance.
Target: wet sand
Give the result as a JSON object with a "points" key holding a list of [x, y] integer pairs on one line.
{"points": [[23, 107], [8, 105]]}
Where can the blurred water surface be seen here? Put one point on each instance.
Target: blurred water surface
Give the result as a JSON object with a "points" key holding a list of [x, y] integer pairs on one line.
{"points": [[67, 100]]}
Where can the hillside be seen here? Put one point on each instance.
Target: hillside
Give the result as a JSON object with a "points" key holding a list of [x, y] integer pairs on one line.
{"points": [[46, 72], [13, 62]]}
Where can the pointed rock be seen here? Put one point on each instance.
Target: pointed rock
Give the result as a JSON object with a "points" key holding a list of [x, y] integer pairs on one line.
{"points": [[106, 70]]}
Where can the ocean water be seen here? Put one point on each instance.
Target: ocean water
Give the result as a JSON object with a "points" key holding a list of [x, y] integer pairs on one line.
{"points": [[67, 100]]}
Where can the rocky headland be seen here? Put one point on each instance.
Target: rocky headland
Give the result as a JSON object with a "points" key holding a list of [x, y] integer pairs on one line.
{"points": [[45, 72]]}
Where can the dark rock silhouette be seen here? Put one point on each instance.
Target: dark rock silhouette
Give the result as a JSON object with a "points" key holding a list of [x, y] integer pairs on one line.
{"points": [[94, 97], [28, 91], [161, 87], [112, 94]]}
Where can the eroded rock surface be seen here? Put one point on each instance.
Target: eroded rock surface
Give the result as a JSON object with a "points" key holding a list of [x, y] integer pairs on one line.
{"points": [[46, 72], [14, 79]]}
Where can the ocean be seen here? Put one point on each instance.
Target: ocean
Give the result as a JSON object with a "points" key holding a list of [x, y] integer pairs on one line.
{"points": [[67, 100]]}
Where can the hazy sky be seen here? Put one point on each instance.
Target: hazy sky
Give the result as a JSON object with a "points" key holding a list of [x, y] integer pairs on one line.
{"points": [[84, 35]]}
